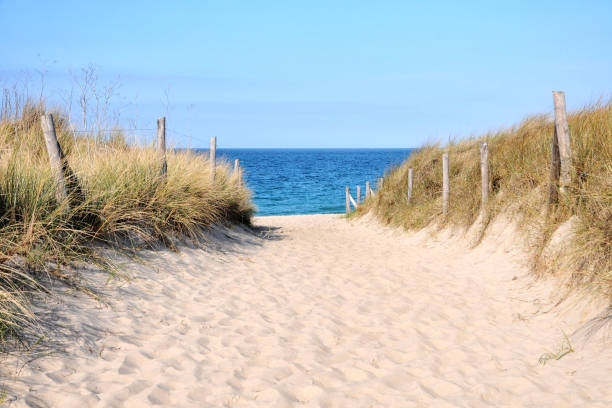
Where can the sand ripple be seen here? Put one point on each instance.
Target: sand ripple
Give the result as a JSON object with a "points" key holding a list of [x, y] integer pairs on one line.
{"points": [[322, 313]]}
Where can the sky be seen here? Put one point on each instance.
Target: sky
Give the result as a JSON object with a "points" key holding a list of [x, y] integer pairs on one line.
{"points": [[313, 73]]}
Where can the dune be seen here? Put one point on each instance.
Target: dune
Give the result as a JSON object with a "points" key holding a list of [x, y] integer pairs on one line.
{"points": [[318, 311]]}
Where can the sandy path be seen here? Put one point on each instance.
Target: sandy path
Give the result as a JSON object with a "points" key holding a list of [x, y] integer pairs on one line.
{"points": [[321, 313]]}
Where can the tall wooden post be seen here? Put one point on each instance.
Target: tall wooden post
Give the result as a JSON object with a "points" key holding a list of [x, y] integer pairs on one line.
{"points": [[555, 168], [56, 156], [348, 203], [409, 184], [563, 140], [445, 182], [484, 173], [213, 158], [358, 195], [367, 192], [161, 144]]}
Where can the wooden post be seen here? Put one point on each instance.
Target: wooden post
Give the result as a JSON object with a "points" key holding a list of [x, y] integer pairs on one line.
{"points": [[445, 181], [563, 140], [352, 201], [237, 170], [161, 144], [367, 192], [409, 184], [555, 168], [380, 183], [348, 203], [358, 195], [56, 156], [484, 173], [213, 158]]}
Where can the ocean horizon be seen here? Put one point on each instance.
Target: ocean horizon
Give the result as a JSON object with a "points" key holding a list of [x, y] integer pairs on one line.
{"points": [[293, 181]]}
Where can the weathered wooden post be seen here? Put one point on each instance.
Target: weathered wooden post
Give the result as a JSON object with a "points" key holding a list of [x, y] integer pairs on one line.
{"points": [[348, 203], [563, 140], [161, 144], [445, 181], [367, 192], [56, 156], [213, 158], [484, 173], [380, 183], [409, 184], [358, 195], [237, 170], [555, 168]]}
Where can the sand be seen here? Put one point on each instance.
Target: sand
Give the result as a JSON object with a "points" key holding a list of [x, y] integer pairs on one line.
{"points": [[319, 312]]}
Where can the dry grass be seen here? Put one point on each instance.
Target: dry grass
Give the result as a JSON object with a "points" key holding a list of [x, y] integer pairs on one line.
{"points": [[519, 181], [119, 198]]}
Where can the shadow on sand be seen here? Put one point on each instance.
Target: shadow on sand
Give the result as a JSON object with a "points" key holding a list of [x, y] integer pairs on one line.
{"points": [[54, 330]]}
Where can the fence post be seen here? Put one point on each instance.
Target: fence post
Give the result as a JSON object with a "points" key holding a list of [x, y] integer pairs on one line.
{"points": [[484, 173], [445, 181], [56, 156], [409, 184], [367, 192], [161, 144], [555, 168], [358, 195], [237, 170], [213, 158], [563, 140], [348, 203], [380, 183]]}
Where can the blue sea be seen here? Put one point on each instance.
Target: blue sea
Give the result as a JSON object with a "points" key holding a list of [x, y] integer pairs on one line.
{"points": [[309, 181]]}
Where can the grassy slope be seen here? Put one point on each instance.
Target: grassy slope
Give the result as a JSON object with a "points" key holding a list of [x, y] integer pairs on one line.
{"points": [[120, 200], [519, 175]]}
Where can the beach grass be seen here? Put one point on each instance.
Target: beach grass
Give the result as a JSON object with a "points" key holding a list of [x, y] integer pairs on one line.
{"points": [[117, 198], [519, 161]]}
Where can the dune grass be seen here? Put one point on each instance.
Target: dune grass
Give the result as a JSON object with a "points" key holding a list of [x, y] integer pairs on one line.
{"points": [[118, 198], [519, 160]]}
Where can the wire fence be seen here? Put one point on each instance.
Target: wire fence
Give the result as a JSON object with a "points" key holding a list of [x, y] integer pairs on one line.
{"points": [[144, 136]]}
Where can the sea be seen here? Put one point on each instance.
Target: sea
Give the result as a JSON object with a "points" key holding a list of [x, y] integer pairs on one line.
{"points": [[309, 181]]}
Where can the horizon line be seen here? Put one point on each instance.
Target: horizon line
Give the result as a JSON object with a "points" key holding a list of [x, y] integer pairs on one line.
{"points": [[302, 148]]}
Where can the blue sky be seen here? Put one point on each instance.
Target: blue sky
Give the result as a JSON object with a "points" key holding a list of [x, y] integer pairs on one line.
{"points": [[316, 73]]}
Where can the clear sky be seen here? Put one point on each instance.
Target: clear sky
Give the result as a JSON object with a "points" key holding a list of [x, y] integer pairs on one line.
{"points": [[316, 73]]}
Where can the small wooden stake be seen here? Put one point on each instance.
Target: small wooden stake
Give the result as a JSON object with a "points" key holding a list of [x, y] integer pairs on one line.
{"points": [[484, 173], [368, 190], [352, 200], [56, 156], [563, 139], [348, 203], [213, 158], [358, 195], [161, 144], [237, 170], [409, 184], [445, 181]]}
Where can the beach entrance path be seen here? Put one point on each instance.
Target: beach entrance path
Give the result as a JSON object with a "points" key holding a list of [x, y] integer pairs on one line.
{"points": [[318, 311]]}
